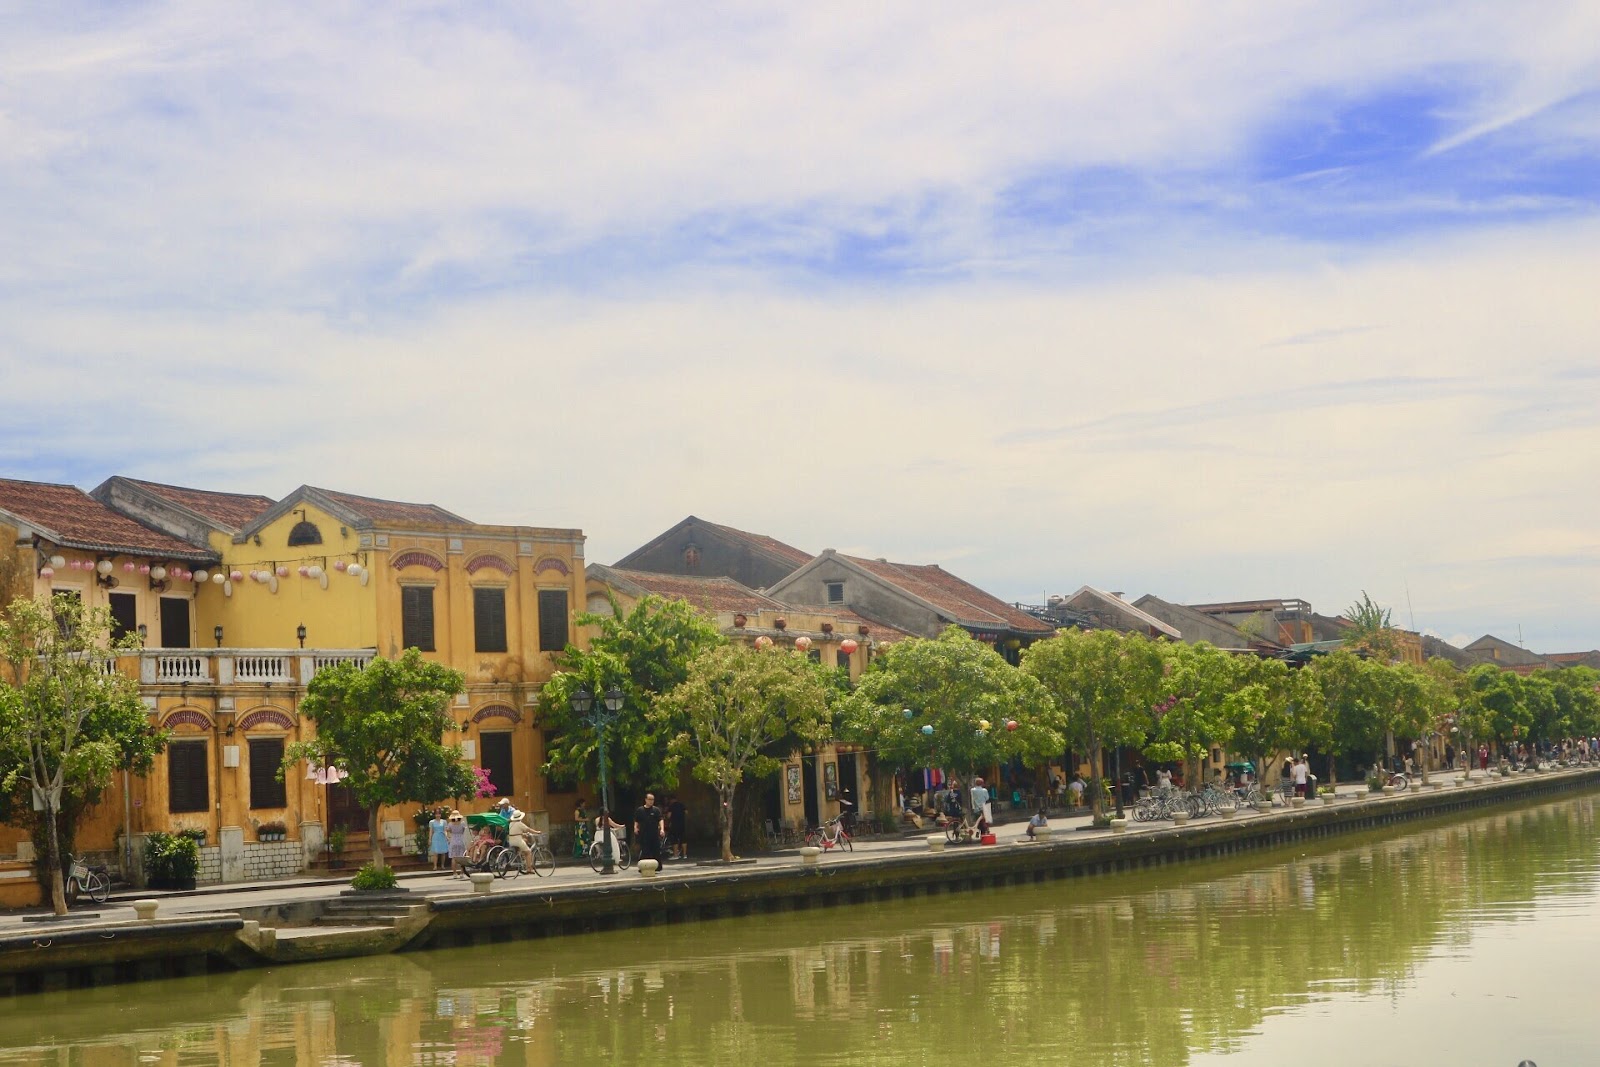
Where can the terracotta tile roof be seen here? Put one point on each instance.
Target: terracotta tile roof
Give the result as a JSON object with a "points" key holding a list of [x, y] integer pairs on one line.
{"points": [[711, 594], [771, 545], [379, 510], [232, 511], [879, 631], [960, 601], [73, 519]]}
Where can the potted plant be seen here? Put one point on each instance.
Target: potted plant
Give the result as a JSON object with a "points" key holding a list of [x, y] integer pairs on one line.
{"points": [[171, 861], [271, 831], [336, 846]]}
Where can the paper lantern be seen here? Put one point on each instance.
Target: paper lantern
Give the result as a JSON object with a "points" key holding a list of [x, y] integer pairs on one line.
{"points": [[103, 567], [130, 566], [983, 724], [236, 576], [927, 731], [908, 713], [58, 561], [848, 646], [158, 573], [283, 572], [1011, 724], [218, 578], [354, 570], [763, 642], [313, 571], [200, 575], [47, 572], [802, 643], [304, 572], [340, 565], [144, 568]]}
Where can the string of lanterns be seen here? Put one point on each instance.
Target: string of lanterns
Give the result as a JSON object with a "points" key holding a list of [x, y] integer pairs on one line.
{"points": [[268, 573]]}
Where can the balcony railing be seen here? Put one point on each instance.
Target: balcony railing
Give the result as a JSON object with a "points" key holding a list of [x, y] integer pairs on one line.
{"points": [[237, 666]]}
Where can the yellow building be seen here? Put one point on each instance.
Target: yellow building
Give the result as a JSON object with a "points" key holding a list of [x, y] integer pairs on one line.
{"points": [[808, 788], [240, 601]]}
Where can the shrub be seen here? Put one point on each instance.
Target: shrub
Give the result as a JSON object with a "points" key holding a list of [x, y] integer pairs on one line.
{"points": [[171, 861], [370, 877]]}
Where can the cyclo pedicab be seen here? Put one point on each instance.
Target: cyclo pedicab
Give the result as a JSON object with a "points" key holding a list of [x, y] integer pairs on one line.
{"points": [[499, 857]]}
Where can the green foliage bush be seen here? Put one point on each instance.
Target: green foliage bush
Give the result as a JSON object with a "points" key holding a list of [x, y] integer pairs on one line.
{"points": [[370, 877], [171, 861]]}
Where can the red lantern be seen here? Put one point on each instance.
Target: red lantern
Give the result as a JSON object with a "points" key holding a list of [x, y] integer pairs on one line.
{"points": [[848, 647], [763, 642], [1011, 724], [802, 643]]}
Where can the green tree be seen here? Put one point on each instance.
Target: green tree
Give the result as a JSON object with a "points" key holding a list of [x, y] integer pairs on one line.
{"points": [[1272, 708], [1371, 630], [1504, 716], [1357, 706], [384, 725], [1103, 684], [1455, 710], [68, 721], [1576, 692], [646, 652], [1191, 715], [966, 693], [736, 703]]}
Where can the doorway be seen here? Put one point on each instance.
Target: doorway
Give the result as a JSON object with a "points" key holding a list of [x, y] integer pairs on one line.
{"points": [[344, 813], [808, 779]]}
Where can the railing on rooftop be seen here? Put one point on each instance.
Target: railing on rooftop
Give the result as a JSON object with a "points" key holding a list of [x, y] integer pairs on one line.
{"points": [[235, 666]]}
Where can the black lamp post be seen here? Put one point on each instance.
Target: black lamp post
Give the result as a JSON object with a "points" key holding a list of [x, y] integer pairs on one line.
{"points": [[300, 632], [601, 716], [216, 632]]}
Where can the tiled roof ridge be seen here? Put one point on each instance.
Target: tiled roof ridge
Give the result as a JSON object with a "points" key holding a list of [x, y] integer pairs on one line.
{"points": [[80, 521], [953, 602]]}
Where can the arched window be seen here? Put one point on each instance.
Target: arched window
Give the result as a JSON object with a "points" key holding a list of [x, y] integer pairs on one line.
{"points": [[305, 532]]}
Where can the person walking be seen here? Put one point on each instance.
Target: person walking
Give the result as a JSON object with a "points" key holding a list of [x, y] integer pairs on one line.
{"points": [[438, 841], [678, 826], [580, 831], [647, 829], [1300, 772], [456, 834]]}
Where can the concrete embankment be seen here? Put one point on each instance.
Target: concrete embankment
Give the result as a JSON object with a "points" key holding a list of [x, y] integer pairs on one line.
{"points": [[83, 952]]}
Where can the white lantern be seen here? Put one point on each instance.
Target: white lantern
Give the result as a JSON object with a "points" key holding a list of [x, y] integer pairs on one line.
{"points": [[354, 570], [313, 571], [200, 575], [58, 562], [158, 573], [218, 578], [103, 567]]}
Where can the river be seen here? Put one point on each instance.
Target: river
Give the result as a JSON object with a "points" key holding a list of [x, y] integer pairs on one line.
{"points": [[1469, 941]]}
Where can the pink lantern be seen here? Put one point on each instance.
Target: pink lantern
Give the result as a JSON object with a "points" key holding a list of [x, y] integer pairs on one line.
{"points": [[283, 572], [305, 572], [47, 572], [848, 646], [763, 642], [236, 576], [1011, 724], [130, 566], [339, 564], [144, 568], [73, 565], [802, 643]]}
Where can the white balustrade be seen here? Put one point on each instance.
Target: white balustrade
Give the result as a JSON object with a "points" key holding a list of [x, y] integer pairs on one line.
{"points": [[259, 670]]}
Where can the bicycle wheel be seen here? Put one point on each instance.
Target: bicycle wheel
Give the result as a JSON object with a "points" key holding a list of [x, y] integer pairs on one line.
{"points": [[498, 861], [597, 856], [97, 887], [845, 842], [813, 838], [544, 861]]}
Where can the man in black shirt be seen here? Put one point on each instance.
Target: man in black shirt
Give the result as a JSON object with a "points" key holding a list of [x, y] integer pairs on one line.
{"points": [[647, 829], [678, 827]]}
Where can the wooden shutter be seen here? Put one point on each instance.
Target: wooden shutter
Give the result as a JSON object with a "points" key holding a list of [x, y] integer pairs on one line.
{"points": [[489, 620], [174, 622], [124, 615], [266, 756], [416, 617], [495, 757], [552, 620], [188, 785]]}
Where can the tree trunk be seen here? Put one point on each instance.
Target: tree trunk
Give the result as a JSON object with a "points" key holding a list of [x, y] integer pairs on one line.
{"points": [[374, 838], [58, 884], [725, 822]]}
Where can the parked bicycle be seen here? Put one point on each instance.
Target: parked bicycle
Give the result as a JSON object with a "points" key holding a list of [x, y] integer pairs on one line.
{"points": [[830, 835], [597, 854], [958, 830], [93, 882]]}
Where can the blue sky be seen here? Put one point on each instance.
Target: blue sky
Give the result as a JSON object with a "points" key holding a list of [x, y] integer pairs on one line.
{"points": [[1211, 301]]}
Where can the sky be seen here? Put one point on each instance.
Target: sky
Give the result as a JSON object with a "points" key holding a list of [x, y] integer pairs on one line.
{"points": [[1215, 301]]}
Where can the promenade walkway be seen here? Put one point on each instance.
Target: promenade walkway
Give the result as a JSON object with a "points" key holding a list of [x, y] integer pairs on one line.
{"points": [[569, 874]]}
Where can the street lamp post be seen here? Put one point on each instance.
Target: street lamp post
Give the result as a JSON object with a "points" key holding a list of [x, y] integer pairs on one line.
{"points": [[601, 716]]}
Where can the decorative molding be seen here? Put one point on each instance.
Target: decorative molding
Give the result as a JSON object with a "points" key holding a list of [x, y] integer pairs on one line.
{"points": [[497, 711], [454, 544], [489, 561], [186, 717], [266, 719], [417, 558], [551, 563], [383, 540], [524, 548]]}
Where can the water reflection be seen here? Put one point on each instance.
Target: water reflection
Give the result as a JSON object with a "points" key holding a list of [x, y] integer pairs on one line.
{"points": [[1156, 967]]}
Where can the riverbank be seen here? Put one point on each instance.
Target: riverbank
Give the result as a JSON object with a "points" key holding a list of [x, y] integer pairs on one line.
{"points": [[276, 924]]}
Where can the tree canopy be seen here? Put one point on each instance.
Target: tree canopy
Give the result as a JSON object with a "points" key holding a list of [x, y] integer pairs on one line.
{"points": [[384, 725], [68, 721], [736, 702]]}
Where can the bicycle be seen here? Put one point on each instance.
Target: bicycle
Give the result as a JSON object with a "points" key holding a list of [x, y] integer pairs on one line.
{"points": [[538, 860], [597, 854], [830, 835], [84, 880], [958, 830], [1399, 780]]}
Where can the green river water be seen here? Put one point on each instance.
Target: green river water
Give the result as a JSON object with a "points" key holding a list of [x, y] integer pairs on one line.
{"points": [[1472, 941]]}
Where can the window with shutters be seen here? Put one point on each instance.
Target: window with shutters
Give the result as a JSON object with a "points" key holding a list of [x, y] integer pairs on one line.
{"points": [[267, 790], [416, 617], [836, 592], [188, 787], [495, 758], [552, 620], [489, 620], [174, 622], [124, 615]]}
